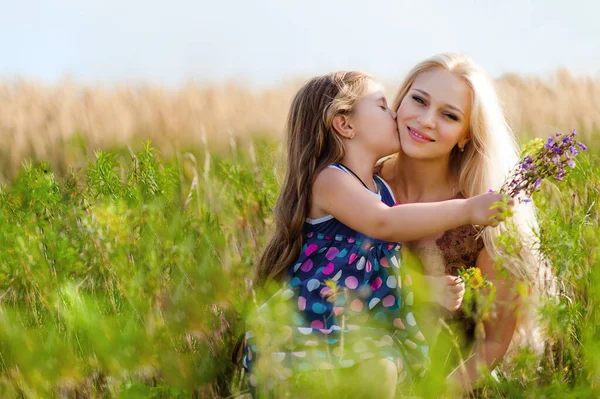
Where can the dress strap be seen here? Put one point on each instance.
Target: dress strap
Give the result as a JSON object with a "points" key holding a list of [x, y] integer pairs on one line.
{"points": [[384, 187], [354, 174]]}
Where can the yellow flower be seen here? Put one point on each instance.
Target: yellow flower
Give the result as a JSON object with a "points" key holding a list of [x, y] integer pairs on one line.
{"points": [[333, 290], [476, 280], [533, 147]]}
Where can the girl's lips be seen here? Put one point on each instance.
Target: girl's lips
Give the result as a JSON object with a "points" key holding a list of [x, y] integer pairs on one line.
{"points": [[419, 136]]}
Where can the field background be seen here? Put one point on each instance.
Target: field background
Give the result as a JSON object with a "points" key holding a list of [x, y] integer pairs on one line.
{"points": [[124, 264], [46, 122]]}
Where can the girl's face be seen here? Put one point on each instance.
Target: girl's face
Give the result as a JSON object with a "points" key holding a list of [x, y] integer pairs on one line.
{"points": [[374, 123], [434, 115]]}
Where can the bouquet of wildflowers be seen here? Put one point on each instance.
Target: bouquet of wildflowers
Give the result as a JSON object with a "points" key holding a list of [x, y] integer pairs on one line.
{"points": [[478, 299], [542, 160]]}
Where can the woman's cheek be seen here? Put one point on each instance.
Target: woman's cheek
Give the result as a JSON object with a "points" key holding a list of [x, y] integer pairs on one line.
{"points": [[408, 112]]}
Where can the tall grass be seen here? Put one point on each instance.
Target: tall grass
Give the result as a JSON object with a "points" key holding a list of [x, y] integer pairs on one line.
{"points": [[129, 278], [49, 122]]}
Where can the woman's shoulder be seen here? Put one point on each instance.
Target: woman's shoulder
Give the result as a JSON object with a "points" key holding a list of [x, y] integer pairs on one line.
{"points": [[384, 168]]}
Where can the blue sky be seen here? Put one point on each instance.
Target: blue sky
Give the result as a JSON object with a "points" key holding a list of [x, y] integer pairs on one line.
{"points": [[265, 42]]}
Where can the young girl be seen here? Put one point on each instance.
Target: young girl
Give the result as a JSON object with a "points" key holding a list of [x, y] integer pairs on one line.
{"points": [[335, 248]]}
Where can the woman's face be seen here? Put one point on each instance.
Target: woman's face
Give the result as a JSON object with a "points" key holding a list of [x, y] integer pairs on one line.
{"points": [[434, 115]]}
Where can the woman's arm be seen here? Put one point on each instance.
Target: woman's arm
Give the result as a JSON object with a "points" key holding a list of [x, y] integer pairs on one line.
{"points": [[498, 331]]}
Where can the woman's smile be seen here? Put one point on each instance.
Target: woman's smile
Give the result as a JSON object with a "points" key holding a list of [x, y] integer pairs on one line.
{"points": [[419, 136]]}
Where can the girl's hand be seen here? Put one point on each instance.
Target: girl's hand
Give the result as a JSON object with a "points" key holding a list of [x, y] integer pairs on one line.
{"points": [[489, 209], [448, 291]]}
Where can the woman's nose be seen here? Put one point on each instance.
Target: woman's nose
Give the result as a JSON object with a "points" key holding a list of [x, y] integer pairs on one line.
{"points": [[427, 119], [394, 114]]}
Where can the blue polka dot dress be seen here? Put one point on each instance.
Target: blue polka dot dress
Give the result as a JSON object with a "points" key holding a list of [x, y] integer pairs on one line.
{"points": [[348, 298]]}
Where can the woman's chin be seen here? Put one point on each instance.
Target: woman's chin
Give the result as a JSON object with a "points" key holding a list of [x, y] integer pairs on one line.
{"points": [[416, 153], [420, 153]]}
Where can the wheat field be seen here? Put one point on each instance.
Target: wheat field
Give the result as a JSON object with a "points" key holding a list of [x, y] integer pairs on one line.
{"points": [[46, 122]]}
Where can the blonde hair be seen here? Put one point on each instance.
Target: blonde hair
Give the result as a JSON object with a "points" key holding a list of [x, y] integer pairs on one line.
{"points": [[484, 164], [311, 145]]}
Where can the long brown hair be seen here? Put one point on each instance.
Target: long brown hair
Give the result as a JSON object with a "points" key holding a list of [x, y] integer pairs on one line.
{"points": [[311, 145]]}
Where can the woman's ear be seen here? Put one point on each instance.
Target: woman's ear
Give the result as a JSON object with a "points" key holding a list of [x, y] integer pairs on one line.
{"points": [[463, 142], [343, 126]]}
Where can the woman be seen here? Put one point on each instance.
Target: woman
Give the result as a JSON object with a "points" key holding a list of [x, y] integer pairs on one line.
{"points": [[455, 142]]}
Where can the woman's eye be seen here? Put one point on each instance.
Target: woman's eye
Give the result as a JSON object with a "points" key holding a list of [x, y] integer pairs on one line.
{"points": [[419, 100], [451, 116], [383, 107]]}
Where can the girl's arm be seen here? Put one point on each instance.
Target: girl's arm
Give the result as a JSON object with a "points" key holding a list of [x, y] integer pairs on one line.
{"points": [[338, 194], [498, 331]]}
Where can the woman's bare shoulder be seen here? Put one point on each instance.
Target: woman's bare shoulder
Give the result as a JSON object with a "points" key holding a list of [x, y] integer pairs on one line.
{"points": [[384, 168]]}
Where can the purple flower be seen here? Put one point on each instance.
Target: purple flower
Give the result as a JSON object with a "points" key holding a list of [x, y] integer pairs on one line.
{"points": [[548, 160]]}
